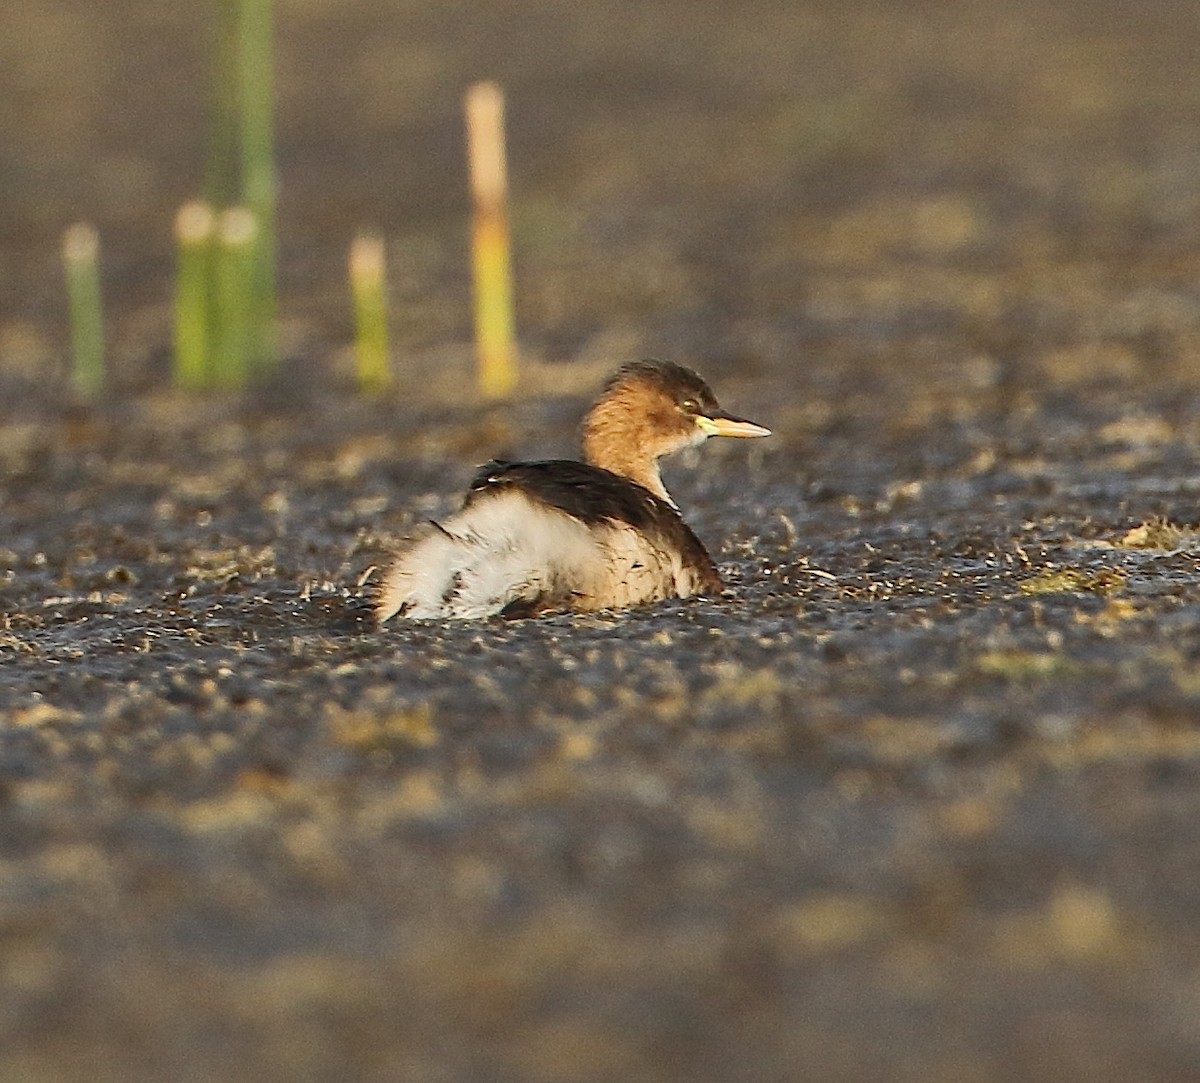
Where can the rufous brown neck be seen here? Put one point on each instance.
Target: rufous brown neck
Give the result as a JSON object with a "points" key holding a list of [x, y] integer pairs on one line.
{"points": [[617, 438]]}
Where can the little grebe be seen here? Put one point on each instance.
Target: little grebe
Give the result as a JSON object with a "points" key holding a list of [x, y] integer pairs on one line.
{"points": [[555, 536]]}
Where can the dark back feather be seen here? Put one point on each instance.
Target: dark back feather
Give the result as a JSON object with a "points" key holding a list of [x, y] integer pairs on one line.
{"points": [[594, 497]]}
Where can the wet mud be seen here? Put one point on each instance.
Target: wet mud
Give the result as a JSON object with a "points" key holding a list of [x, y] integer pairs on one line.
{"points": [[915, 799]]}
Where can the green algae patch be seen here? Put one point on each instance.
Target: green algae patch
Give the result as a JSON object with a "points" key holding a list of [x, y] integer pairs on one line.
{"points": [[1161, 534], [1075, 581], [1016, 665], [369, 731]]}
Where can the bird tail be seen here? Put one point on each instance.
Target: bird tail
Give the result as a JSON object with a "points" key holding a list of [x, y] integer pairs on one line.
{"points": [[426, 579], [500, 554]]}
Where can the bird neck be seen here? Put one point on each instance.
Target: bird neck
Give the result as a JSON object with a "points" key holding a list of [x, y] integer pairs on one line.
{"points": [[613, 443]]}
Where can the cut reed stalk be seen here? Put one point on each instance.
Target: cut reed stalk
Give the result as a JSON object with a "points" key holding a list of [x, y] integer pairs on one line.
{"points": [[233, 288], [368, 285], [194, 227], [81, 260], [495, 337]]}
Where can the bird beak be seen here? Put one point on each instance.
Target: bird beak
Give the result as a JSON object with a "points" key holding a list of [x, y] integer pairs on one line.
{"points": [[728, 425]]}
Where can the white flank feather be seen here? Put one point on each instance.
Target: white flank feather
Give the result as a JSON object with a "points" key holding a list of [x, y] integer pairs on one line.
{"points": [[506, 548]]}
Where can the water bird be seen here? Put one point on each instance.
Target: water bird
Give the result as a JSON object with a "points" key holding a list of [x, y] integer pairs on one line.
{"points": [[559, 536]]}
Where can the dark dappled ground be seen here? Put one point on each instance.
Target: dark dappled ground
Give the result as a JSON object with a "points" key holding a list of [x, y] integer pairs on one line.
{"points": [[917, 800]]}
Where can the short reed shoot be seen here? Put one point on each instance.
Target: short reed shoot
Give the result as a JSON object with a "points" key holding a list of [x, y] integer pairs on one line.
{"points": [[368, 286], [195, 225], [495, 336], [81, 260], [234, 299]]}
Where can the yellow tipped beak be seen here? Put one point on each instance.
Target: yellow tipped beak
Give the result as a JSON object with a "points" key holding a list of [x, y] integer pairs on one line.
{"points": [[724, 425]]}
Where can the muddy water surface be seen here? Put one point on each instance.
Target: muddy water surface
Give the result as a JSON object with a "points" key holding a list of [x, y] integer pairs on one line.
{"points": [[917, 799]]}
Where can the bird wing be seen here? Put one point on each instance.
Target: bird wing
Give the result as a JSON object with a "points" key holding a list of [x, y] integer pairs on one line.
{"points": [[548, 536]]}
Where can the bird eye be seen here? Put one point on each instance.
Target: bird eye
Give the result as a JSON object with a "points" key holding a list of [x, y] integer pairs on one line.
{"points": [[690, 406]]}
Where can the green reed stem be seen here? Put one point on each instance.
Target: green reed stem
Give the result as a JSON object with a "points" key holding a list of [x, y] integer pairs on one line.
{"points": [[194, 228], [222, 167], [241, 175], [234, 330], [256, 101], [81, 261], [368, 285]]}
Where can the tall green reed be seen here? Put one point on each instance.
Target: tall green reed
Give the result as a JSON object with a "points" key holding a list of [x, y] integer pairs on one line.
{"points": [[225, 294]]}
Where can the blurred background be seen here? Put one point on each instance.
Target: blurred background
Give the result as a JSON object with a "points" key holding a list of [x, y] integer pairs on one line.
{"points": [[685, 179]]}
